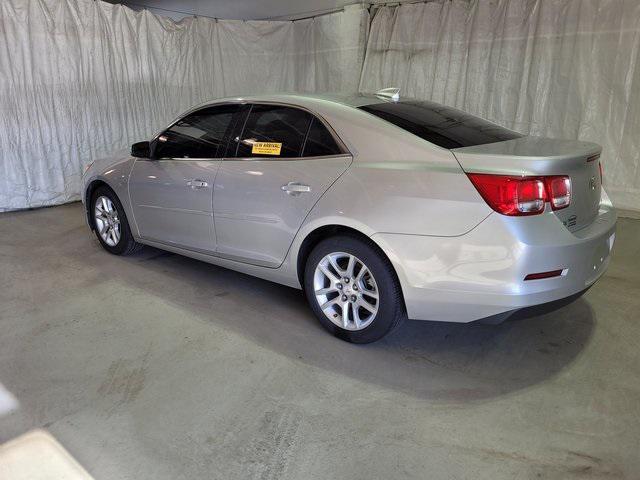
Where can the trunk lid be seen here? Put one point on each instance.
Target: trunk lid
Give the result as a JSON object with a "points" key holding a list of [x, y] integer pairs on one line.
{"points": [[544, 156]]}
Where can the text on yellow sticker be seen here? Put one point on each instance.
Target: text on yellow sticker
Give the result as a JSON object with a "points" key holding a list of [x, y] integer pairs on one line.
{"points": [[266, 148]]}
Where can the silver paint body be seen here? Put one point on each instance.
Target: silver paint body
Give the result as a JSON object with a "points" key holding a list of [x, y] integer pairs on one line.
{"points": [[456, 259]]}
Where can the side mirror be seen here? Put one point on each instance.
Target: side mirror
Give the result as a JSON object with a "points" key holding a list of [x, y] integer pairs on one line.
{"points": [[141, 150]]}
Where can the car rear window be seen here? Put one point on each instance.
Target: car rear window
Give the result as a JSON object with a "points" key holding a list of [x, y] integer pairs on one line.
{"points": [[440, 125]]}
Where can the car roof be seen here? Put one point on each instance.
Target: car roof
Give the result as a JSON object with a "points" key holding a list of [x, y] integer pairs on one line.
{"points": [[305, 99]]}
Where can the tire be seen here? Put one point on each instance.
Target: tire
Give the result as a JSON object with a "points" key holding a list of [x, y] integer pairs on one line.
{"points": [[324, 289], [115, 220]]}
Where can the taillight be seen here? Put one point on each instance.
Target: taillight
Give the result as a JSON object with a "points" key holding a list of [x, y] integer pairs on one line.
{"points": [[520, 196], [593, 158], [511, 195], [559, 190], [601, 174]]}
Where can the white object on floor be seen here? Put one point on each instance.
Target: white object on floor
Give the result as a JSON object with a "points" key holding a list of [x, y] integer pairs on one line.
{"points": [[37, 455], [8, 402]]}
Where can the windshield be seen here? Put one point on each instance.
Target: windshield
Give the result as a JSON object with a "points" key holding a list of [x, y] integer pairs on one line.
{"points": [[440, 125]]}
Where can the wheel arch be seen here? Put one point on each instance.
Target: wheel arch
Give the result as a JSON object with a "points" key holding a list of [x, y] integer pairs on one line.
{"points": [[320, 233], [92, 187]]}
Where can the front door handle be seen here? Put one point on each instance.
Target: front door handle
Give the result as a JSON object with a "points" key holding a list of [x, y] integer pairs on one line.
{"points": [[196, 183], [295, 188]]}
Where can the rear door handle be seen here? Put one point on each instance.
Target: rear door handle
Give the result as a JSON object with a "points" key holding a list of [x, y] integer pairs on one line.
{"points": [[196, 183], [295, 188]]}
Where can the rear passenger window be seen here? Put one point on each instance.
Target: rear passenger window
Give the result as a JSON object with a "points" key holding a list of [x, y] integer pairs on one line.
{"points": [[273, 131], [320, 141]]}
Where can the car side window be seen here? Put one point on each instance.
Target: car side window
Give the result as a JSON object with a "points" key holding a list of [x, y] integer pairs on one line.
{"points": [[319, 141], [273, 131], [198, 135]]}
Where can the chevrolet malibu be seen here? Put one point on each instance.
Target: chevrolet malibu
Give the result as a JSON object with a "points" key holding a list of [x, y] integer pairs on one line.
{"points": [[378, 208]]}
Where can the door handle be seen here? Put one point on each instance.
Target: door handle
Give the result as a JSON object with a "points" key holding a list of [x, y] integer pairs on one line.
{"points": [[196, 183], [295, 188]]}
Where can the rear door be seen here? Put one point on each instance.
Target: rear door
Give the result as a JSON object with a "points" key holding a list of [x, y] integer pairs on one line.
{"points": [[279, 162], [172, 193]]}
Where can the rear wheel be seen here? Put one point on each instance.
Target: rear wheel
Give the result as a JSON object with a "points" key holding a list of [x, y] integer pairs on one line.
{"points": [[353, 289], [110, 223]]}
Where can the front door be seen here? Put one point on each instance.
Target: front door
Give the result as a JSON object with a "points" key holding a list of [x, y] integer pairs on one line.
{"points": [[275, 170], [171, 194]]}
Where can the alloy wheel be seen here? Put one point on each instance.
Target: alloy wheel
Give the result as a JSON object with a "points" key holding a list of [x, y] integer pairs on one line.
{"points": [[106, 221], [346, 291]]}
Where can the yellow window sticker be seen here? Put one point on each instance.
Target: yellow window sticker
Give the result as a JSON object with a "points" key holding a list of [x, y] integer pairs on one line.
{"points": [[266, 148]]}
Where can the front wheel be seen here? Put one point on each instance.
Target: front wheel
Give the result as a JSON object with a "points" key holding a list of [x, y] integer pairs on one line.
{"points": [[110, 223], [353, 290]]}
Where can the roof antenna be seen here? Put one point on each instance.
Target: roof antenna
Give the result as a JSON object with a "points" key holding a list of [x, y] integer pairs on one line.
{"points": [[391, 93]]}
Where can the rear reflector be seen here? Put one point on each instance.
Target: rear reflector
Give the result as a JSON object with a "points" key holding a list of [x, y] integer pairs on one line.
{"points": [[538, 276], [520, 196]]}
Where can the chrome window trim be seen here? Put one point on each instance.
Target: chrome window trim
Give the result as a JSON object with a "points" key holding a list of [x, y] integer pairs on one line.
{"points": [[327, 125], [173, 159], [285, 159]]}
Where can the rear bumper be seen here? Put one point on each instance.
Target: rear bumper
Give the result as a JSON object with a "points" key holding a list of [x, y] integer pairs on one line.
{"points": [[532, 311], [481, 274]]}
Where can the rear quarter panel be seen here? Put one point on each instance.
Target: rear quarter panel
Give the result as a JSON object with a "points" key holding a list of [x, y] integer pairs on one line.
{"points": [[397, 183]]}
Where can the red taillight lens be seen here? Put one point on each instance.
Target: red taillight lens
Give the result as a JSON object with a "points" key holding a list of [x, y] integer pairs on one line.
{"points": [[601, 174], [520, 196], [559, 190], [511, 195], [593, 158]]}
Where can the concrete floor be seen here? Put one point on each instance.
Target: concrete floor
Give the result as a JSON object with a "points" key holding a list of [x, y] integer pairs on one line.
{"points": [[160, 367]]}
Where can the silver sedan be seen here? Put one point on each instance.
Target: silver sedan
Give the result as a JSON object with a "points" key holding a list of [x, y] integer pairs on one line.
{"points": [[379, 208]]}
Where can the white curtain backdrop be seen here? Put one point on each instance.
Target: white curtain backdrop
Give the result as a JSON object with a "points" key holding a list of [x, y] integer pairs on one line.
{"points": [[82, 78], [558, 68]]}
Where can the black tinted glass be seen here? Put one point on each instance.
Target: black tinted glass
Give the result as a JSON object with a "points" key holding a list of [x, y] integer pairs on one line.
{"points": [[273, 131], [320, 141], [443, 126], [198, 135]]}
